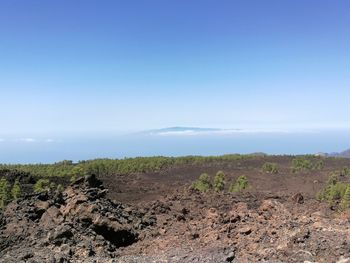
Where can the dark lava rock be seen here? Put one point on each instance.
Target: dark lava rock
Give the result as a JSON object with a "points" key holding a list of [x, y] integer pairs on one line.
{"points": [[298, 198], [62, 225]]}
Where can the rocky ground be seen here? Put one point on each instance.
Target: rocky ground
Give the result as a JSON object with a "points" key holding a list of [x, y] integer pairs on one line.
{"points": [[78, 225], [178, 225]]}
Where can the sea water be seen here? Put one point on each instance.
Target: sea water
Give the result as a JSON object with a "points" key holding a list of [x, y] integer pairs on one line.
{"points": [[53, 148]]}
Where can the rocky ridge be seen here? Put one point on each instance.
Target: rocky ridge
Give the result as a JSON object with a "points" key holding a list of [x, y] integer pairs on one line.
{"points": [[78, 225]]}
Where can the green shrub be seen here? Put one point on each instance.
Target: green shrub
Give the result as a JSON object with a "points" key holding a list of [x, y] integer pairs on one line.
{"points": [[345, 201], [16, 190], [203, 184], [319, 165], [240, 184], [219, 181], [332, 179], [270, 168], [42, 185], [345, 171], [334, 190]]}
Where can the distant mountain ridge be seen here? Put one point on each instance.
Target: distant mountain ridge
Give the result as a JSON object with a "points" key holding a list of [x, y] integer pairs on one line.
{"points": [[344, 154]]}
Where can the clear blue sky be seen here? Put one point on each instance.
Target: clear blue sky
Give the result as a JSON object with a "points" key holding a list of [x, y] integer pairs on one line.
{"points": [[104, 66]]}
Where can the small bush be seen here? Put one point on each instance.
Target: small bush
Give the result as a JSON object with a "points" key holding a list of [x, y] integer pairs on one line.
{"points": [[203, 184], [270, 168], [16, 190], [219, 181], [332, 179], [318, 165], [240, 184]]}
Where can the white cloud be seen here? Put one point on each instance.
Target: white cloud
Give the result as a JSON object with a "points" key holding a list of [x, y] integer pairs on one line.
{"points": [[28, 140], [32, 140]]}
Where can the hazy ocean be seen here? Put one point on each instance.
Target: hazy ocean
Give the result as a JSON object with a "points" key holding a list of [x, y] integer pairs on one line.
{"points": [[48, 149]]}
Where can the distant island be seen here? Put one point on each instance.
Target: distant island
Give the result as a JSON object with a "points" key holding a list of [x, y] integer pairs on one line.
{"points": [[183, 130], [179, 130]]}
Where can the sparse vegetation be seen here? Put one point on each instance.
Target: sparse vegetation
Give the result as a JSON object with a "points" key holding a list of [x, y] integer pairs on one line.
{"points": [[270, 168], [240, 184], [203, 184], [300, 164], [306, 164], [219, 181]]}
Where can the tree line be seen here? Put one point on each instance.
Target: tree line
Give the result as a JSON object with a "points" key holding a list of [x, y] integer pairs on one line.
{"points": [[106, 167]]}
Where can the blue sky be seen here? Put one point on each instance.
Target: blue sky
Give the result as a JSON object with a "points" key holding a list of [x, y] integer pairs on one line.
{"points": [[108, 66]]}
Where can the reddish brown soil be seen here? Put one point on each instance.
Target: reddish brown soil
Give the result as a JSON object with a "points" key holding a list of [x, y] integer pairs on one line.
{"points": [[152, 186], [269, 222]]}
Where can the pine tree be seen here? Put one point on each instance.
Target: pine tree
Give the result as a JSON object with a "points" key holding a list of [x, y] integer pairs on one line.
{"points": [[345, 202], [240, 184], [5, 195], [42, 185], [219, 181], [202, 184], [16, 190]]}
